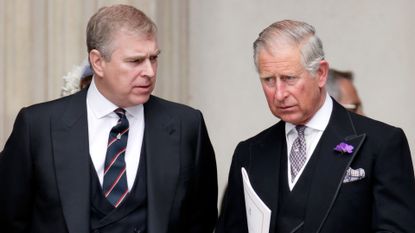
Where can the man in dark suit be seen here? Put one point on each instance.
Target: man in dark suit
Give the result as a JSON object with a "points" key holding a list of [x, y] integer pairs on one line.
{"points": [[321, 168], [112, 157]]}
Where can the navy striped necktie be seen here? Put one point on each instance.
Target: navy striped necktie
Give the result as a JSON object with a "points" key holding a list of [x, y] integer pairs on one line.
{"points": [[115, 177]]}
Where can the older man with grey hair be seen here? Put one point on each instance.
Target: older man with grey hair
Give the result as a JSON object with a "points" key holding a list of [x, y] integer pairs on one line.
{"points": [[321, 168]]}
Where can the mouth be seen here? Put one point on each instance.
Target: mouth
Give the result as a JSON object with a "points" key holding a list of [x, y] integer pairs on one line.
{"points": [[286, 108], [143, 88]]}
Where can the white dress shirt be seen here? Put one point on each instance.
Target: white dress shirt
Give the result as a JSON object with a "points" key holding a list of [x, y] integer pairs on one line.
{"points": [[312, 134], [101, 119]]}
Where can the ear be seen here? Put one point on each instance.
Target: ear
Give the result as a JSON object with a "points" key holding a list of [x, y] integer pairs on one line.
{"points": [[97, 62], [322, 73]]}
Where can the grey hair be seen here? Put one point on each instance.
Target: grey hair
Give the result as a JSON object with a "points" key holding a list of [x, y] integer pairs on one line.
{"points": [[103, 25], [298, 33]]}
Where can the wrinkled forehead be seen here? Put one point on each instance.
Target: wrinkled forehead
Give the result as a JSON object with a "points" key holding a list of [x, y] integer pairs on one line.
{"points": [[115, 37], [281, 52], [283, 61], [136, 32]]}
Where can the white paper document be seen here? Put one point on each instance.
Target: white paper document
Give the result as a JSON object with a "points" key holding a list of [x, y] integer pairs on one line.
{"points": [[257, 213]]}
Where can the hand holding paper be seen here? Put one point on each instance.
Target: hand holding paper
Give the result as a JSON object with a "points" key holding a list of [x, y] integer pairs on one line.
{"points": [[257, 213]]}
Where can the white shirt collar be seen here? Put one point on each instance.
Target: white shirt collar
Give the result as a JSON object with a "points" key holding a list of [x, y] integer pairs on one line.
{"points": [[320, 120], [102, 107]]}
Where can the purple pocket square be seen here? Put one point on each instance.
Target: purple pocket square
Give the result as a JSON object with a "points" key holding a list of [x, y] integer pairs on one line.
{"points": [[354, 175]]}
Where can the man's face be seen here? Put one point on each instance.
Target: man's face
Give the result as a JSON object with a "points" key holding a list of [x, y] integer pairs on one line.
{"points": [[292, 93], [129, 77], [348, 96]]}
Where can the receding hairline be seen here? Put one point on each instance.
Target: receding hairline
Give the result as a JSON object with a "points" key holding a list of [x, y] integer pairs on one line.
{"points": [[110, 20], [296, 34], [286, 31]]}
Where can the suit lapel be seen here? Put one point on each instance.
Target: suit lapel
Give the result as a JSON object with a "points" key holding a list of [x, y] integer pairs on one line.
{"points": [[162, 139], [71, 157], [264, 167], [331, 167]]}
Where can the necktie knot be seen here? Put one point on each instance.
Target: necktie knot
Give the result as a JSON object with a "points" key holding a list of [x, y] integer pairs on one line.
{"points": [[122, 123], [300, 130], [120, 112]]}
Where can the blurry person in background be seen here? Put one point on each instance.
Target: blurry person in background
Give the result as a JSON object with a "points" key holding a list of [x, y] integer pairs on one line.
{"points": [[340, 86]]}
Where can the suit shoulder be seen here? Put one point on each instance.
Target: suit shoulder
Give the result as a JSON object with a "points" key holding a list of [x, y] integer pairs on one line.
{"points": [[171, 107], [265, 134], [377, 132], [50, 107], [272, 134], [369, 124]]}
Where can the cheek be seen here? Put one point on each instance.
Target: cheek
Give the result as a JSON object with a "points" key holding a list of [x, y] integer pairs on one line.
{"points": [[303, 93], [121, 84], [270, 97], [309, 97], [155, 65], [269, 93]]}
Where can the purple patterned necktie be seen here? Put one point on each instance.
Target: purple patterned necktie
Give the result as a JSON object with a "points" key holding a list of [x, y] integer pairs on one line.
{"points": [[298, 152], [115, 178]]}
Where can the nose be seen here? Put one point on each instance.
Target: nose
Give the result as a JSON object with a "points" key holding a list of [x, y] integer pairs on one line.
{"points": [[280, 91], [149, 69]]}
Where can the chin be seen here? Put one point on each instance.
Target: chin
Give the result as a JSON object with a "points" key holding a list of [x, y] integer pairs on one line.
{"points": [[290, 119], [141, 99]]}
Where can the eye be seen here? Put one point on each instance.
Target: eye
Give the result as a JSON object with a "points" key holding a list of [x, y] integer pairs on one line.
{"points": [[290, 80], [269, 81], [153, 59], [138, 60]]}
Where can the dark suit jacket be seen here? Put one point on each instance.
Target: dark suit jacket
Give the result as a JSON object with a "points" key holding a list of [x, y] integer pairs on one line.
{"points": [[384, 201], [44, 169]]}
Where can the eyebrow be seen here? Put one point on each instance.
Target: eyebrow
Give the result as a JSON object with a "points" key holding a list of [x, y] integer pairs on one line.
{"points": [[142, 56], [157, 52]]}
